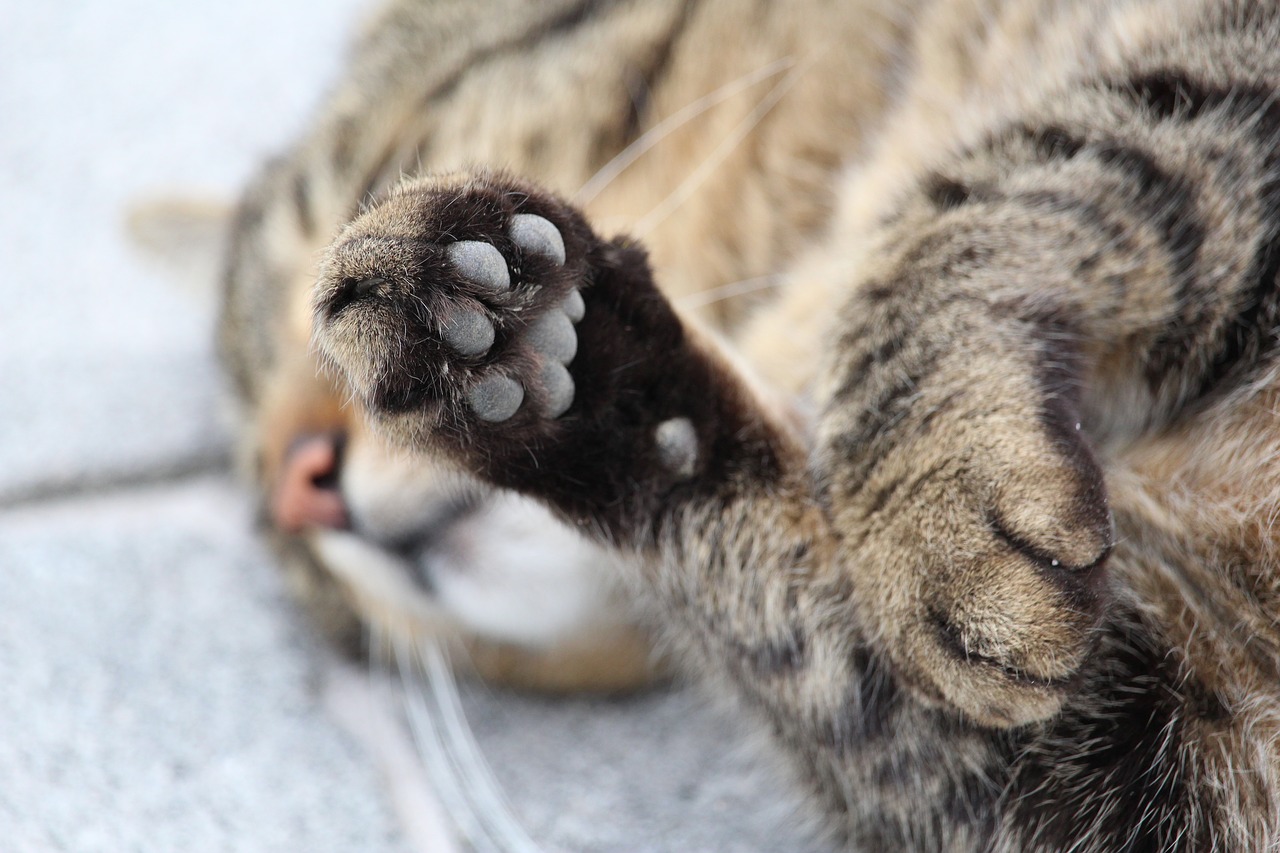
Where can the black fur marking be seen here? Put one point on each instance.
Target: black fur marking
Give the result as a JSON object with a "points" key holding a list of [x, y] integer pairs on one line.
{"points": [[384, 169], [1248, 336], [941, 256], [782, 657], [1121, 779], [1053, 142], [1168, 200], [1251, 334], [1203, 703], [946, 193], [1167, 94], [1048, 143], [1164, 199], [886, 493], [1087, 212], [881, 354], [876, 696], [1173, 94], [646, 80], [892, 400]]}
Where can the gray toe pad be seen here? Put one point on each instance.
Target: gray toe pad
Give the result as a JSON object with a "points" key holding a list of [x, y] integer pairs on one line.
{"points": [[469, 333], [537, 235], [559, 388], [481, 263], [677, 442], [495, 398], [553, 335], [574, 307]]}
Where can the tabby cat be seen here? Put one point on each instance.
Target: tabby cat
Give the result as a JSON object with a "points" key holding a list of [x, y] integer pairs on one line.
{"points": [[910, 362]]}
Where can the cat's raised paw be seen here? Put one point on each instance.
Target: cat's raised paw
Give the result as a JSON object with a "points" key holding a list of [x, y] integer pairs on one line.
{"points": [[482, 319]]}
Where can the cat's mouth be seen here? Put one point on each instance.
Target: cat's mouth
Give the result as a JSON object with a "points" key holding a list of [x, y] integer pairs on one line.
{"points": [[438, 548], [317, 491]]}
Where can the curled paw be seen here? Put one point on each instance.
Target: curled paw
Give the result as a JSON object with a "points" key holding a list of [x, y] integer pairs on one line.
{"points": [[979, 560]]}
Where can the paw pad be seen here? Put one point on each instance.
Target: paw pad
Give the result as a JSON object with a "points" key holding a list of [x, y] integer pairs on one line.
{"points": [[677, 443], [538, 236], [495, 398], [469, 333], [552, 335], [558, 386], [574, 308], [480, 262]]}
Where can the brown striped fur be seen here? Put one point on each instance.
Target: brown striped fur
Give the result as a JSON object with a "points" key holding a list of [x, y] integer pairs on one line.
{"points": [[982, 517]]}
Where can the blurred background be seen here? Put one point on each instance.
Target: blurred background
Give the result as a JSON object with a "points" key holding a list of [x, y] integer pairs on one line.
{"points": [[156, 690]]}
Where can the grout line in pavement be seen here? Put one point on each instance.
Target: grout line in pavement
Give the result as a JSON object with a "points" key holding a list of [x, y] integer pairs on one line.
{"points": [[107, 482]]}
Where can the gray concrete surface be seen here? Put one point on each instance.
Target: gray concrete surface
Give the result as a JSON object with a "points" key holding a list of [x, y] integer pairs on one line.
{"points": [[157, 691]]}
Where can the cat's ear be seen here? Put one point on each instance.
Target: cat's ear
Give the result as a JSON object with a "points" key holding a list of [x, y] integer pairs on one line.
{"points": [[185, 236]]}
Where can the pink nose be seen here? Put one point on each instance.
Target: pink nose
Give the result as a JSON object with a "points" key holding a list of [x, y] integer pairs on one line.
{"points": [[305, 497]]}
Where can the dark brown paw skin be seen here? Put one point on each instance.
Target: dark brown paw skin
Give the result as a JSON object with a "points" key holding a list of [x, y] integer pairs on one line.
{"points": [[600, 359]]}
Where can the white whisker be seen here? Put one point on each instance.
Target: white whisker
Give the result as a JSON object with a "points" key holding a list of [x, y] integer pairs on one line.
{"points": [[471, 794], [485, 791], [647, 140], [435, 753], [360, 703], [729, 291], [690, 184]]}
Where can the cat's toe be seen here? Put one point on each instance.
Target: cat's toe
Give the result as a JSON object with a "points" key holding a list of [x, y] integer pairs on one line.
{"points": [[537, 235], [480, 262], [552, 335], [495, 398], [574, 307], [469, 333], [985, 579], [557, 388]]}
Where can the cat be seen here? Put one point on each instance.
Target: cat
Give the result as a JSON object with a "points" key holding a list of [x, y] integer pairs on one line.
{"points": [[966, 493]]}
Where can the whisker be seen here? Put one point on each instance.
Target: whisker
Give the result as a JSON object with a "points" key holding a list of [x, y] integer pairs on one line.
{"points": [[485, 790], [436, 756], [728, 291], [651, 137], [695, 179]]}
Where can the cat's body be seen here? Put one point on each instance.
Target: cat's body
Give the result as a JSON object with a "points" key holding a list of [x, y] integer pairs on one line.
{"points": [[981, 524]]}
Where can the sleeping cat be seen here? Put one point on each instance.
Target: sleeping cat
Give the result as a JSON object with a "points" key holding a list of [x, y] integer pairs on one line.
{"points": [[967, 491]]}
